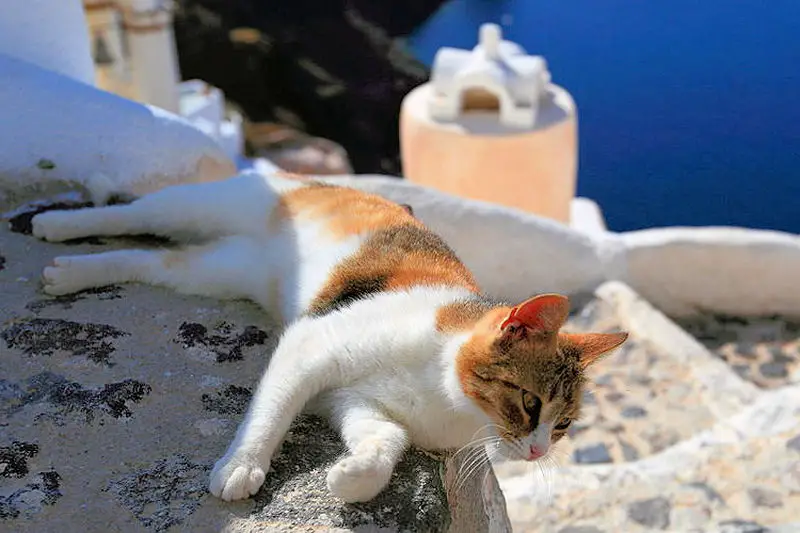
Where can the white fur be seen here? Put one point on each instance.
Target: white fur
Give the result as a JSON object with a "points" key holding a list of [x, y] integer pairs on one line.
{"points": [[378, 369]]}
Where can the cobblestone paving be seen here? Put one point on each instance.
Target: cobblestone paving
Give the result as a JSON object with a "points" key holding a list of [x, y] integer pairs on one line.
{"points": [[650, 453], [765, 351], [637, 394]]}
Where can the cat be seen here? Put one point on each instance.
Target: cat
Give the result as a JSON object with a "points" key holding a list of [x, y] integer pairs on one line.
{"points": [[388, 335]]}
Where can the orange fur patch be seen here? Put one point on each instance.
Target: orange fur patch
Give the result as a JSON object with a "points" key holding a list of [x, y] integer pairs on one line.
{"points": [[460, 316], [399, 251], [345, 211]]}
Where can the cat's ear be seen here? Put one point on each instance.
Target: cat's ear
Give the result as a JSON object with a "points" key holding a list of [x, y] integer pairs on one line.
{"points": [[591, 347], [545, 313]]}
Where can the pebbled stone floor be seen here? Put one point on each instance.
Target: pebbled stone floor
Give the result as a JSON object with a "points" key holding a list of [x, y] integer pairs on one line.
{"points": [[658, 449], [765, 351], [637, 394]]}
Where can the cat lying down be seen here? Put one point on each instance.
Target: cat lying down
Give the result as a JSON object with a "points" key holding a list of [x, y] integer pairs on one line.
{"points": [[389, 336]]}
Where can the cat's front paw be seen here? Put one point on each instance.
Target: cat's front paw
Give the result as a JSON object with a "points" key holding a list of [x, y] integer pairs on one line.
{"points": [[358, 478], [53, 226], [237, 477]]}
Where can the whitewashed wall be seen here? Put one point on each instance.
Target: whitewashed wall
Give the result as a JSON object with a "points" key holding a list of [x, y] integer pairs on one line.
{"points": [[54, 129], [48, 33]]}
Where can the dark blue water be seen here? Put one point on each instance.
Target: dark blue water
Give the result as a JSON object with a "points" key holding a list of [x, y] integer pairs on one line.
{"points": [[689, 110]]}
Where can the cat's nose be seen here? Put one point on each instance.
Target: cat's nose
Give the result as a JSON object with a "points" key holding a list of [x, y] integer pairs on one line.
{"points": [[535, 453]]}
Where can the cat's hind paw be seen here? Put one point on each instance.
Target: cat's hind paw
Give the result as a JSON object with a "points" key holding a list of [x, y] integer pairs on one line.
{"points": [[67, 275], [236, 478], [358, 478]]}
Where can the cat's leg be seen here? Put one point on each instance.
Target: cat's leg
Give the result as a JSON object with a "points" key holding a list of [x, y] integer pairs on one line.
{"points": [[376, 444], [236, 206], [221, 269], [304, 364], [314, 356]]}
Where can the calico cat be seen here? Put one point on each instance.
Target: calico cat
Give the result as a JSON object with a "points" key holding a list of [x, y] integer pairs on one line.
{"points": [[388, 333]]}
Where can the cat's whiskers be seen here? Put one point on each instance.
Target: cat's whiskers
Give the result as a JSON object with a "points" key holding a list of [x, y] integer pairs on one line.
{"points": [[490, 425], [558, 455], [476, 444], [515, 445], [550, 466], [479, 453], [478, 461], [545, 480], [544, 468], [479, 441], [474, 457]]}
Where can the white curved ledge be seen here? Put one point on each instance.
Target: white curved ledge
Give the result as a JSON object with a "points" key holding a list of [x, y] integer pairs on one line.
{"points": [[56, 129], [724, 270], [682, 271]]}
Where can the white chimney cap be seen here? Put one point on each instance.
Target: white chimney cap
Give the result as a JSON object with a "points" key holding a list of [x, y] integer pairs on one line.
{"points": [[501, 68]]}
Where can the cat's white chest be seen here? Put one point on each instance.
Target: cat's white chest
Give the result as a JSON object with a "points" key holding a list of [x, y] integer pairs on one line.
{"points": [[414, 397], [440, 428]]}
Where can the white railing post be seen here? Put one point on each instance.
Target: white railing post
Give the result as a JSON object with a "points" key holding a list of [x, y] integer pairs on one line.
{"points": [[153, 54], [108, 47]]}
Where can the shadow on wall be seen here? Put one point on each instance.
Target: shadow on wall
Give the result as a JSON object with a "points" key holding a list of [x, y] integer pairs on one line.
{"points": [[688, 112]]}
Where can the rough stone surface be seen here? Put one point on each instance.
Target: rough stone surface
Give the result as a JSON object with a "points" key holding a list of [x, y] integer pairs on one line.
{"points": [[741, 526], [115, 403], [652, 513], [597, 453]]}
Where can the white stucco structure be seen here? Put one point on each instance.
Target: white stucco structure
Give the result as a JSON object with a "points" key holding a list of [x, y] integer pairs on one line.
{"points": [[204, 106], [48, 33], [136, 57], [492, 111], [153, 56], [57, 130], [502, 68]]}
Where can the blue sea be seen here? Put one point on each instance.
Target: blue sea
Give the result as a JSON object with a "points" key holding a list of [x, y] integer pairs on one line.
{"points": [[689, 112]]}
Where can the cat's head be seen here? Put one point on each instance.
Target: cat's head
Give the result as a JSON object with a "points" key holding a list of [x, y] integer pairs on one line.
{"points": [[526, 375]]}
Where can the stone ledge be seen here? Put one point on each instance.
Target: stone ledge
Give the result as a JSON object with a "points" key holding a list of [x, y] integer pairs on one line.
{"points": [[116, 402]]}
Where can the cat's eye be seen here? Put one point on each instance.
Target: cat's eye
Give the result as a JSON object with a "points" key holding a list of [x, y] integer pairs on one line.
{"points": [[529, 401], [533, 406], [563, 424]]}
